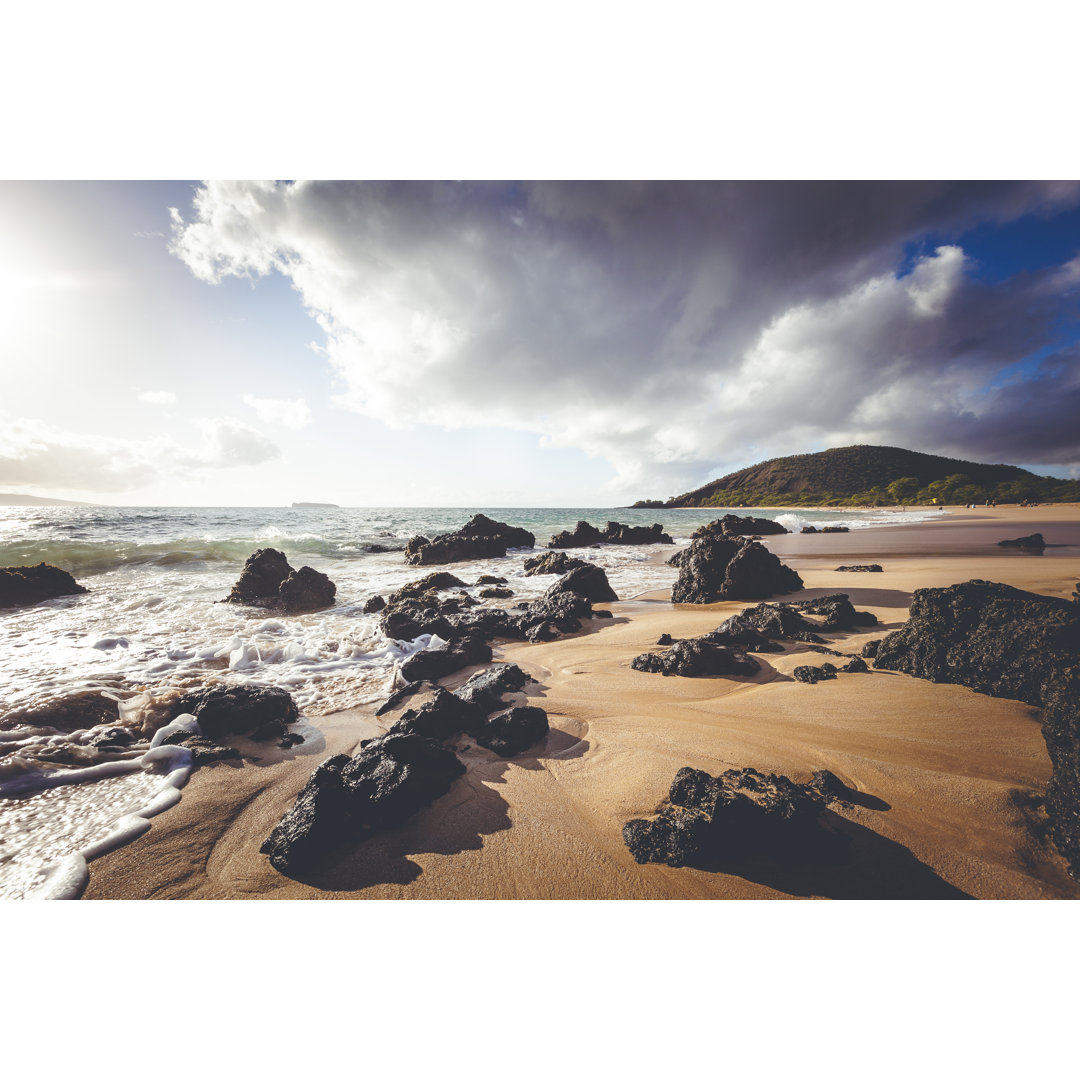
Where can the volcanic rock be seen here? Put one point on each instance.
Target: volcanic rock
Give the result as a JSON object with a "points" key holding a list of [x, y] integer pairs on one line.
{"points": [[306, 590], [715, 570], [229, 710], [588, 580], [586, 535], [697, 658], [717, 820], [490, 579], [443, 717], [485, 689], [435, 662], [204, 751], [870, 568], [513, 731], [72, 712], [479, 538], [869, 650], [839, 612], [385, 783], [374, 604], [496, 592], [732, 525], [1013, 644], [807, 673], [21, 586], [1034, 541], [552, 562]]}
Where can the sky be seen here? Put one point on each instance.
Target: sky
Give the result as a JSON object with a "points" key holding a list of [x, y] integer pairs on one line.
{"points": [[522, 344]]}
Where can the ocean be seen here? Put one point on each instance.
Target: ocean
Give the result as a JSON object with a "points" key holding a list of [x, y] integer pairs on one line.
{"points": [[150, 628]]}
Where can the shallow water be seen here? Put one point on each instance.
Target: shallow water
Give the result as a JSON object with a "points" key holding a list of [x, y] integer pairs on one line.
{"points": [[151, 624]]}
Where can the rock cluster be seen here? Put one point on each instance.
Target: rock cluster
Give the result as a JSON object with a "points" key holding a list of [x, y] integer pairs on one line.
{"points": [[870, 568], [261, 712], [21, 586], [586, 535], [1013, 644], [418, 609], [397, 774], [268, 580], [733, 525], [479, 538], [714, 568], [716, 820], [826, 529]]}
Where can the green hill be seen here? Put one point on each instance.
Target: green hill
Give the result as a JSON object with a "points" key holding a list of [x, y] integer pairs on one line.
{"points": [[876, 476]]}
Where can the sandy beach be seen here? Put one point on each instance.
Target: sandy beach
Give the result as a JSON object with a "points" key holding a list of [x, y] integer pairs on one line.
{"points": [[947, 779]]}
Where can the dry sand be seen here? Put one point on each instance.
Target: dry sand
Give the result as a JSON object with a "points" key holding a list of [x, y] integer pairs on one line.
{"points": [[948, 779]]}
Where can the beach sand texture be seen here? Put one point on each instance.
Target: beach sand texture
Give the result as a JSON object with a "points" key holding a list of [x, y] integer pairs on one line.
{"points": [[947, 779]]}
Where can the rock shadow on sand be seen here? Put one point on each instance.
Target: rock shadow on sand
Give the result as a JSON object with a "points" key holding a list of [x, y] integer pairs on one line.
{"points": [[875, 868]]}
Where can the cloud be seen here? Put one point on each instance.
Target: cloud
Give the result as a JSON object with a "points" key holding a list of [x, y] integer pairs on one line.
{"points": [[158, 397], [675, 329], [34, 454], [293, 414]]}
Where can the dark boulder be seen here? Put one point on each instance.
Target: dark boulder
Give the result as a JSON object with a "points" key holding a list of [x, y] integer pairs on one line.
{"points": [[869, 568], [306, 590], [514, 730], [479, 538], [855, 665], [716, 820], [835, 529], [73, 712], [806, 673], [496, 592], [403, 693], [677, 559], [839, 612], [439, 581], [435, 662], [869, 650], [1033, 542], [829, 786], [490, 579], [21, 586], [697, 658], [237, 710], [390, 779], [263, 573], [552, 562], [583, 535], [589, 581], [808, 529], [754, 627], [665, 639], [486, 689], [714, 570], [374, 605], [1012, 644], [444, 716]]}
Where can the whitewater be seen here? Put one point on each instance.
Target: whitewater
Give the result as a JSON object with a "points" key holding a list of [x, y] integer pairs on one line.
{"points": [[151, 627]]}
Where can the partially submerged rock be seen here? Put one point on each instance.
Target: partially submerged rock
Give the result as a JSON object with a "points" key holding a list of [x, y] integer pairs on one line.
{"points": [[586, 535], [732, 525], [552, 562], [240, 710], [479, 538], [588, 580], [73, 712], [1008, 643], [717, 569], [717, 820], [21, 586], [868, 568], [440, 660], [267, 580]]}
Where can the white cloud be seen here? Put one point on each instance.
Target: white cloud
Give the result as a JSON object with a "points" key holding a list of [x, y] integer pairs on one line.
{"points": [[293, 414], [34, 454], [158, 397], [673, 329]]}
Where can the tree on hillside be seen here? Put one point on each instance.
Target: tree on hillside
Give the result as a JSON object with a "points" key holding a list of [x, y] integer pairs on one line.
{"points": [[904, 489]]}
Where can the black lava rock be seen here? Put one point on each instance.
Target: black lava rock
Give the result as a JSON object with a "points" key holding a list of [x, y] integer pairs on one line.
{"points": [[869, 568], [306, 590], [717, 569], [589, 581], [496, 592], [375, 604], [810, 674], [434, 663], [515, 730], [485, 689], [742, 813], [664, 639], [586, 535], [21, 586], [732, 525], [229, 710], [869, 650], [552, 562], [697, 658], [267, 580], [479, 538], [1034, 541], [1013, 644]]}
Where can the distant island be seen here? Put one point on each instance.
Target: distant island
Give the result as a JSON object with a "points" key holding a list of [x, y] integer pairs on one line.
{"points": [[315, 506], [10, 498], [872, 476]]}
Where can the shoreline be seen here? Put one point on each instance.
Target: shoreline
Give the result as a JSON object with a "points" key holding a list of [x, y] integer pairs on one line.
{"points": [[946, 775]]}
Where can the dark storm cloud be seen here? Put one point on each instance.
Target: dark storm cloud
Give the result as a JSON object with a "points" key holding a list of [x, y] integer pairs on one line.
{"points": [[677, 329]]}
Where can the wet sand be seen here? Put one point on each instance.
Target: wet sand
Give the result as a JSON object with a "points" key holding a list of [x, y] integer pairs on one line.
{"points": [[948, 780]]}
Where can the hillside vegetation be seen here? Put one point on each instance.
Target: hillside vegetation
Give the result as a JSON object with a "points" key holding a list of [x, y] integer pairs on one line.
{"points": [[874, 476]]}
